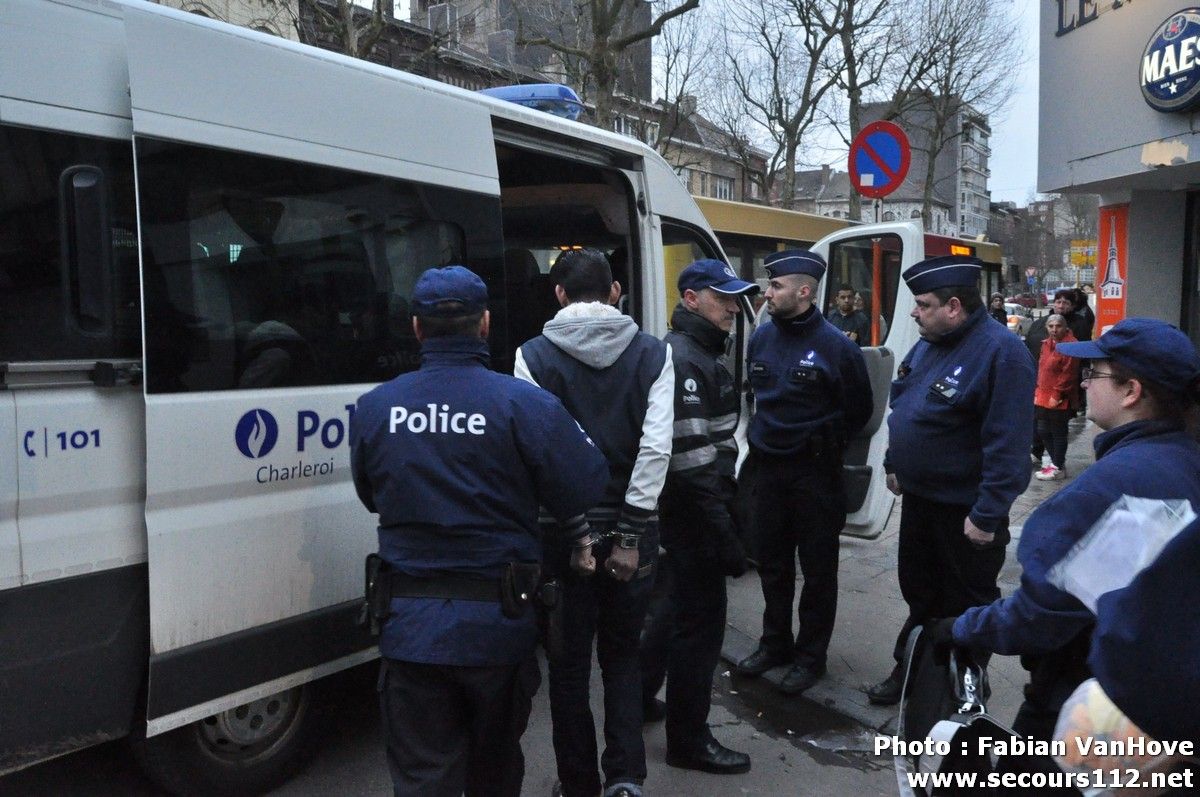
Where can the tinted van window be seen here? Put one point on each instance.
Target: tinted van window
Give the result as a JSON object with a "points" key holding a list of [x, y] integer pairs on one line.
{"points": [[269, 273], [68, 248]]}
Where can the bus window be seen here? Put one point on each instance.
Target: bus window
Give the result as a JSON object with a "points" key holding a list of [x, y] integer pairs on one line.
{"points": [[269, 273], [682, 246], [63, 193], [850, 263]]}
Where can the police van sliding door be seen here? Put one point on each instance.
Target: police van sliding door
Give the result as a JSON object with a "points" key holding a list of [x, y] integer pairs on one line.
{"points": [[852, 254], [287, 200]]}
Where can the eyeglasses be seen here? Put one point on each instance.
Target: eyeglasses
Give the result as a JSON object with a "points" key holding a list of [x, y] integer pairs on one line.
{"points": [[1091, 373]]}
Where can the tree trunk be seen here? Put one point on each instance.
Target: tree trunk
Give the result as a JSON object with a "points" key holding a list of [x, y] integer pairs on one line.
{"points": [[788, 189], [930, 169]]}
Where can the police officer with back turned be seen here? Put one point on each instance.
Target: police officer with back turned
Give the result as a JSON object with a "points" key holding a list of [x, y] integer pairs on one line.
{"points": [[962, 411], [456, 459], [812, 394]]}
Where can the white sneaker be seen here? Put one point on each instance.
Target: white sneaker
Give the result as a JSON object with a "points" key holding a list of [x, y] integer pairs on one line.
{"points": [[1048, 473]]}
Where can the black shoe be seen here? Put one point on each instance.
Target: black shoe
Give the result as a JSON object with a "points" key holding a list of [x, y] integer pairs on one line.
{"points": [[799, 678], [887, 691], [654, 711], [759, 662], [714, 758]]}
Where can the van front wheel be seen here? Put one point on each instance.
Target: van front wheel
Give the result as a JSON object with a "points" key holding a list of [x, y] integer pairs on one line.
{"points": [[245, 750]]}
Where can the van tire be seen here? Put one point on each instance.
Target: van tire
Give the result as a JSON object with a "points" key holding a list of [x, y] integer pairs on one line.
{"points": [[246, 750]]}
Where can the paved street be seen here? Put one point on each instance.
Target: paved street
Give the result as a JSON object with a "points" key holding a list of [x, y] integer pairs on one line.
{"points": [[816, 744]]}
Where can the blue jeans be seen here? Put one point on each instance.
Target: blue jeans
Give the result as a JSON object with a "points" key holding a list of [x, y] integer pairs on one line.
{"points": [[611, 612]]}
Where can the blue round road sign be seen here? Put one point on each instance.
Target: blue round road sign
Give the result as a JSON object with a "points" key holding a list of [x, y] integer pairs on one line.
{"points": [[1170, 65], [879, 158]]}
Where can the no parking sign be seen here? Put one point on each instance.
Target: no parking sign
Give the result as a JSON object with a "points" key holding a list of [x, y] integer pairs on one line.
{"points": [[879, 158]]}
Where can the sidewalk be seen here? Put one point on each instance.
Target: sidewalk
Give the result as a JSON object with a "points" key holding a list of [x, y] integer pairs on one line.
{"points": [[871, 611]]}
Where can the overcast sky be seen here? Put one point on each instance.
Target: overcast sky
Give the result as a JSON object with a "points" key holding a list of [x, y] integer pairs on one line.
{"points": [[1014, 135]]}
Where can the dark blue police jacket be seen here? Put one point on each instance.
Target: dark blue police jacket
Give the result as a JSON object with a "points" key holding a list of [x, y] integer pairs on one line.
{"points": [[1145, 459], [962, 420], [1146, 647], [806, 376], [456, 458]]}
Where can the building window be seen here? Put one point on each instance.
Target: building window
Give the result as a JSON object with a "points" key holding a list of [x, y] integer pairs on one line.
{"points": [[685, 176], [703, 184], [753, 190], [722, 187]]}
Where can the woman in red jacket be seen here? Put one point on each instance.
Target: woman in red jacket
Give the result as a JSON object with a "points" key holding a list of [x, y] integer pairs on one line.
{"points": [[1056, 397]]}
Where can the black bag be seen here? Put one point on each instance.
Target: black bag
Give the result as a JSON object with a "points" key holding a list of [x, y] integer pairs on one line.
{"points": [[945, 703]]}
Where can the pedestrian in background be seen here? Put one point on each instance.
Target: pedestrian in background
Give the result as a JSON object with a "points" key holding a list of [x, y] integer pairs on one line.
{"points": [[996, 309], [457, 491], [962, 411], [853, 323], [1056, 397], [702, 546], [811, 394], [619, 383]]}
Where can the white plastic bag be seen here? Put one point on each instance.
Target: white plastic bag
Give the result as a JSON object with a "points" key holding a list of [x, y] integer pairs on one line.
{"points": [[1126, 538]]}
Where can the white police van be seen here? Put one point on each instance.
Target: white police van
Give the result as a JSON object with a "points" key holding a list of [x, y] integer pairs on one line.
{"points": [[207, 240]]}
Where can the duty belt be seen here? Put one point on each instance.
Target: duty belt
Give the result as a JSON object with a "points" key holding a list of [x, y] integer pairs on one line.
{"points": [[451, 587]]}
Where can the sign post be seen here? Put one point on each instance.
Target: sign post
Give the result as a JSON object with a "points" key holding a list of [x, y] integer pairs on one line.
{"points": [[879, 158]]}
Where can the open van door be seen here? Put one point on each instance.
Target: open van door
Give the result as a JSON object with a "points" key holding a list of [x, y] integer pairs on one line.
{"points": [[852, 255]]}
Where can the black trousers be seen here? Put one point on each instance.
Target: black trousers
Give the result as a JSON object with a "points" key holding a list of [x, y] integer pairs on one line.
{"points": [[941, 573], [1052, 429], [611, 613], [453, 730], [800, 509], [682, 640]]}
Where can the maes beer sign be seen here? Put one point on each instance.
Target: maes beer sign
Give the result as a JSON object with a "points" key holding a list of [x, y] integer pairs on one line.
{"points": [[1171, 63]]}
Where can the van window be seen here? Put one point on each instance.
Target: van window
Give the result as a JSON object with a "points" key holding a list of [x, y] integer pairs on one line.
{"points": [[261, 272], [850, 263], [68, 248]]}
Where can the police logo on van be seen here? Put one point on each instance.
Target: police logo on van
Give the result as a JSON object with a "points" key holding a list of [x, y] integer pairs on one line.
{"points": [[256, 433], [1170, 65]]}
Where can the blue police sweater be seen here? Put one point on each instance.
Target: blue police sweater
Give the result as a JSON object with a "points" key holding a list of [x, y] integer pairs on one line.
{"points": [[1146, 647], [1146, 459], [456, 459], [806, 376], [962, 420]]}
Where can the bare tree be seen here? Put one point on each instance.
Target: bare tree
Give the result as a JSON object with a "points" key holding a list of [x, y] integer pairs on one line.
{"points": [[591, 37], [880, 62], [781, 58], [1081, 213], [354, 30], [971, 39]]}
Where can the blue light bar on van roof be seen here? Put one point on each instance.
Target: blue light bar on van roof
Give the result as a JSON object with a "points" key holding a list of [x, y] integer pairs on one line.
{"points": [[553, 98]]}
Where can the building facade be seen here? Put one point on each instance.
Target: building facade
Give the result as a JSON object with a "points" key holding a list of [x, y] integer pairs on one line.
{"points": [[1118, 85]]}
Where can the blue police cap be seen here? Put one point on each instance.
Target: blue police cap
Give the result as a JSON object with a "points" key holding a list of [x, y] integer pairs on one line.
{"points": [[448, 292], [1152, 349], [716, 275], [947, 271], [795, 261]]}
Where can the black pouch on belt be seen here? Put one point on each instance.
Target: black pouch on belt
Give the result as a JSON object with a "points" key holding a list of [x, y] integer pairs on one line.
{"points": [[518, 585], [377, 594]]}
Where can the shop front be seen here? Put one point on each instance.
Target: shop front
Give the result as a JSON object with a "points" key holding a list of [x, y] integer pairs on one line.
{"points": [[1120, 94]]}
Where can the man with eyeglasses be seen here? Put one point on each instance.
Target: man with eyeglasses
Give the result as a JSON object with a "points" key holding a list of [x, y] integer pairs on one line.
{"points": [[959, 430]]}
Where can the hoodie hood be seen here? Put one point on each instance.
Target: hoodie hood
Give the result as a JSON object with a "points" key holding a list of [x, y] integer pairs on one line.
{"points": [[594, 333]]}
